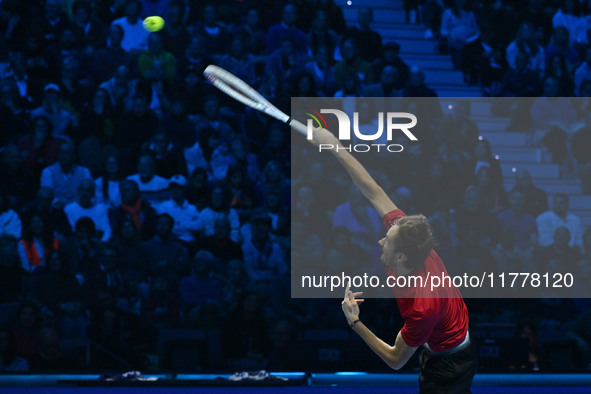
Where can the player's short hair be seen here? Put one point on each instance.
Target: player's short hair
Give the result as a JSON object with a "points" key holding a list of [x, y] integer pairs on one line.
{"points": [[414, 239]]}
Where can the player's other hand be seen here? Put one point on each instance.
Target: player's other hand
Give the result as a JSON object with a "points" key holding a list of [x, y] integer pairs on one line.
{"points": [[350, 305]]}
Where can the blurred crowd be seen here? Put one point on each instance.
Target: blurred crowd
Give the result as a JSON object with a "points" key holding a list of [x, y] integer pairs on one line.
{"points": [[135, 199]]}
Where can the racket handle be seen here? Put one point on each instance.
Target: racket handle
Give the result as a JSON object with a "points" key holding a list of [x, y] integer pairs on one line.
{"points": [[299, 127]]}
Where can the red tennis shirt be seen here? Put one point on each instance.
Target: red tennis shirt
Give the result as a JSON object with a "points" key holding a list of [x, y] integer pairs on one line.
{"points": [[439, 317]]}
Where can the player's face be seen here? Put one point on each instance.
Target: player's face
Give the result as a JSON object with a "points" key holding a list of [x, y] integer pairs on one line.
{"points": [[389, 255]]}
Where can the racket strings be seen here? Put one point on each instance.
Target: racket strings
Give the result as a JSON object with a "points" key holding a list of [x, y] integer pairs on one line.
{"points": [[233, 91], [241, 91]]}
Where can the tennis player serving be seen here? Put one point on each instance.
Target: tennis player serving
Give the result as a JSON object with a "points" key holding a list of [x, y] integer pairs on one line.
{"points": [[436, 320]]}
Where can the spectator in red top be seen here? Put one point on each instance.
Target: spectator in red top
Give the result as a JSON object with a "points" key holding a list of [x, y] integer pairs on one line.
{"points": [[448, 360], [37, 242]]}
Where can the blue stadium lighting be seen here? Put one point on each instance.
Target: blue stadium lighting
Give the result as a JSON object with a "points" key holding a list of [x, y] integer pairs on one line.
{"points": [[351, 373], [290, 375]]}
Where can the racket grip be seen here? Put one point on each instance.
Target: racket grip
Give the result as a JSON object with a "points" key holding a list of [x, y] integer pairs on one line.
{"points": [[299, 127]]}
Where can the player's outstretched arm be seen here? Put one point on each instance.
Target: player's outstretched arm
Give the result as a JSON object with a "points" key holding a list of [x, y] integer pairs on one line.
{"points": [[364, 181]]}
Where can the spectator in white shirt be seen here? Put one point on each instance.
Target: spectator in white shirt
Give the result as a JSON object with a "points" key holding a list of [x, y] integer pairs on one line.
{"points": [[570, 16], [10, 223], [135, 37], [152, 187], [85, 207], [264, 259], [558, 217], [64, 177], [219, 207], [187, 219], [525, 41]]}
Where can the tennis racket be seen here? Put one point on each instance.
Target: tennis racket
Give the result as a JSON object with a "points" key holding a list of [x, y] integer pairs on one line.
{"points": [[241, 91]]}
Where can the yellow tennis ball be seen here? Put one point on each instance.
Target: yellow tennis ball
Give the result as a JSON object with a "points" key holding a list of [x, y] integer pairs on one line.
{"points": [[153, 23]]}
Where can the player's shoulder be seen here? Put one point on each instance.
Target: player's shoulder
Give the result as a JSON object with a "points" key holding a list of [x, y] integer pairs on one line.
{"points": [[434, 264]]}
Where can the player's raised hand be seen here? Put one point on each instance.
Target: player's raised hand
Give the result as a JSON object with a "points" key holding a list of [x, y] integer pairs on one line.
{"points": [[350, 305]]}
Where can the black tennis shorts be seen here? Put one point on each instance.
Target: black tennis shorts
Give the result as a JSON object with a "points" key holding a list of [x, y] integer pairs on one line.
{"points": [[449, 374]]}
